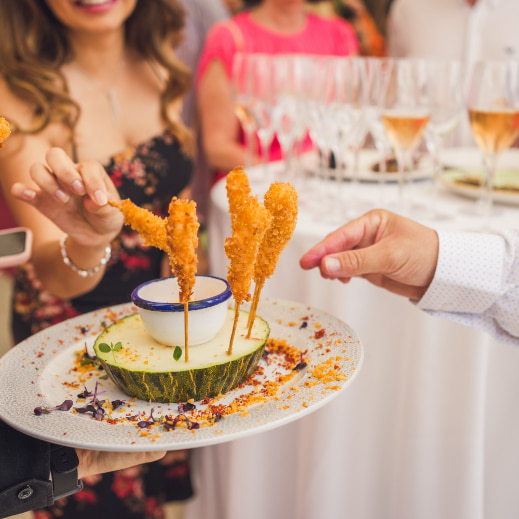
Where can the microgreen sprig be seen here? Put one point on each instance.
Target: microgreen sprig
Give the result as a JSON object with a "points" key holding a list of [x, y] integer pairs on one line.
{"points": [[65, 406], [106, 348], [177, 352]]}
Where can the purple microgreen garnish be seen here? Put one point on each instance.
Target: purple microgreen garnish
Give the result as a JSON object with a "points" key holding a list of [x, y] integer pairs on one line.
{"points": [[87, 409], [265, 356], [64, 406], [85, 394], [99, 413], [146, 423], [182, 408], [300, 365], [117, 403], [187, 407], [303, 325]]}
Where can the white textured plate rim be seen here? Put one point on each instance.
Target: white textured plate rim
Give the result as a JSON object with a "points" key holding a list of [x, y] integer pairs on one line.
{"points": [[20, 389]]}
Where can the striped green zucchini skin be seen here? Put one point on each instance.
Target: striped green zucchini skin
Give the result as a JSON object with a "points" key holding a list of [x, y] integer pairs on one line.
{"points": [[176, 383]]}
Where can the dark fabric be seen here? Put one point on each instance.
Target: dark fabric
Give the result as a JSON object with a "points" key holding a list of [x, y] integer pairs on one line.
{"points": [[24, 465]]}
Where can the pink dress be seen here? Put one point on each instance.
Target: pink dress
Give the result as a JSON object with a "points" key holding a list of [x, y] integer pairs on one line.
{"points": [[320, 36]]}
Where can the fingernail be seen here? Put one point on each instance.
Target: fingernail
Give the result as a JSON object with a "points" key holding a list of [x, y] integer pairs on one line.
{"points": [[100, 197], [78, 187], [332, 265], [28, 194], [61, 196]]}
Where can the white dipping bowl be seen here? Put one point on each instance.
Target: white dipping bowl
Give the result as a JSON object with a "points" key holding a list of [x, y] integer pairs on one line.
{"points": [[163, 318]]}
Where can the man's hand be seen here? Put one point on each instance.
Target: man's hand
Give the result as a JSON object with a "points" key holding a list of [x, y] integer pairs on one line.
{"points": [[388, 250]]}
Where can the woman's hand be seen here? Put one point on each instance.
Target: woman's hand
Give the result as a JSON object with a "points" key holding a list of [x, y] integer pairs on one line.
{"points": [[74, 197], [388, 250]]}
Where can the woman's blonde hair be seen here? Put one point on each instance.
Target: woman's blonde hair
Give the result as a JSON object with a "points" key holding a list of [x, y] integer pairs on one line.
{"points": [[34, 45]]}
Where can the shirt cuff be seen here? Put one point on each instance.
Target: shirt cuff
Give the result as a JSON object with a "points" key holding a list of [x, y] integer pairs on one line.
{"points": [[469, 273]]}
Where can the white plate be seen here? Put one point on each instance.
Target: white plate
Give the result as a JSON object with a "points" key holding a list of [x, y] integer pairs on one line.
{"points": [[367, 159], [467, 163], [38, 372]]}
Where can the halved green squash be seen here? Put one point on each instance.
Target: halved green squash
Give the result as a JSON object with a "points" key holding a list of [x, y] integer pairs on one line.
{"points": [[147, 370]]}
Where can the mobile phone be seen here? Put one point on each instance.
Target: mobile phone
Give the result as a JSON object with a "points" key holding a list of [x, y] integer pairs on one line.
{"points": [[15, 246]]}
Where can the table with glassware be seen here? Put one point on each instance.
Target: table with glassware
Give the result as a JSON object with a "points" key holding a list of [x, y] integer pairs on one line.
{"points": [[429, 427]]}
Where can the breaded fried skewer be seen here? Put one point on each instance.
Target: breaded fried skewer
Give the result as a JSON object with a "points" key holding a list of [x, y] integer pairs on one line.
{"points": [[5, 131], [182, 239], [238, 188], [249, 221], [281, 202], [151, 228]]}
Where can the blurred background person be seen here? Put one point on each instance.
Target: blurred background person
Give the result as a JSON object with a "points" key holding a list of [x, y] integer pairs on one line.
{"points": [[93, 80], [371, 40], [269, 27], [201, 15]]}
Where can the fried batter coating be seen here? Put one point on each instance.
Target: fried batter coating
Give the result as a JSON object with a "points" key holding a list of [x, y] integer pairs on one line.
{"points": [[151, 228], [248, 228], [281, 202], [249, 224], [182, 238], [4, 130], [238, 188]]}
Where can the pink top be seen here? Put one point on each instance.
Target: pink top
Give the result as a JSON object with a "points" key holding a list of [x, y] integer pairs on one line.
{"points": [[320, 36]]}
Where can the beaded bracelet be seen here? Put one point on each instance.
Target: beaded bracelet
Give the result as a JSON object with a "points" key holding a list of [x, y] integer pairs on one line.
{"points": [[83, 273]]}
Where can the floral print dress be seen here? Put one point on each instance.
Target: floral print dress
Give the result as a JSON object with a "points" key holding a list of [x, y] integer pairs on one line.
{"points": [[149, 174]]}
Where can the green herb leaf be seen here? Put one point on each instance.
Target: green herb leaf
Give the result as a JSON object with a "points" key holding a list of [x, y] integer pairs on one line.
{"points": [[105, 348], [177, 353], [117, 347]]}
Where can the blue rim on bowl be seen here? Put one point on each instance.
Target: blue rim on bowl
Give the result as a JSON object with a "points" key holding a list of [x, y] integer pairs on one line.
{"points": [[179, 307]]}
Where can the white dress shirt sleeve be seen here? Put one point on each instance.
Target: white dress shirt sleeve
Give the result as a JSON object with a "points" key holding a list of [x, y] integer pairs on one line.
{"points": [[477, 282]]}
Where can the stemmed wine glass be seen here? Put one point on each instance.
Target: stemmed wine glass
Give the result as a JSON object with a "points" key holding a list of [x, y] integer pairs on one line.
{"points": [[405, 112], [376, 71], [352, 90], [261, 107], [493, 106], [446, 95], [241, 80]]}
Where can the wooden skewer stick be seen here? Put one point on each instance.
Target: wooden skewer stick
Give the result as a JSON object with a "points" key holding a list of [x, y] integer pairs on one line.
{"points": [[234, 325], [186, 335], [253, 308]]}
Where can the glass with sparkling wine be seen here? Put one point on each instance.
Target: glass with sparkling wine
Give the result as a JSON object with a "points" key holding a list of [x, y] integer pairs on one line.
{"points": [[405, 112], [493, 106]]}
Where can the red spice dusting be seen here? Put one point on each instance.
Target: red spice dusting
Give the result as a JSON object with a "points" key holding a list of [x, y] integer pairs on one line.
{"points": [[320, 333]]}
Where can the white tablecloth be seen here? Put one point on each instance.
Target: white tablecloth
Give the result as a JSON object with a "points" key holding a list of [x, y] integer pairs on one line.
{"points": [[429, 429]]}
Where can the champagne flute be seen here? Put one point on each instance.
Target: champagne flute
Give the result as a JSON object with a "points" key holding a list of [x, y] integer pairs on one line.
{"points": [[405, 114], [241, 87], [493, 106], [261, 88]]}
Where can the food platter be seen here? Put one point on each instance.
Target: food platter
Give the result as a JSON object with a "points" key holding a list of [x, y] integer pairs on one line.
{"points": [[465, 171], [368, 158], [43, 372]]}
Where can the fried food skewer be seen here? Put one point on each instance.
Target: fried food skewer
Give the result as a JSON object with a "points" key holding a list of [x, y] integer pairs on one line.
{"points": [[182, 239], [281, 202], [151, 228], [5, 131], [238, 189], [249, 223]]}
